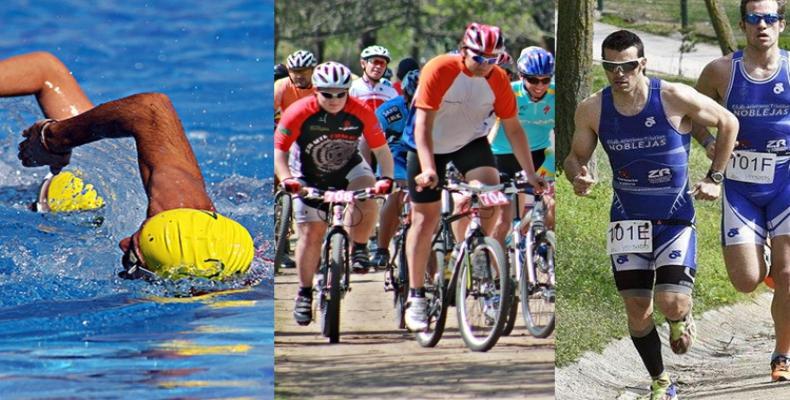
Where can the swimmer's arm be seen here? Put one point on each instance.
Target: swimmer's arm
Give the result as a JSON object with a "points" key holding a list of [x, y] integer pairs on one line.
{"points": [[705, 111]]}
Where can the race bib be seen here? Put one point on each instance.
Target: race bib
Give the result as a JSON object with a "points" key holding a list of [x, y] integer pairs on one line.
{"points": [[751, 167], [632, 236], [491, 199], [340, 196]]}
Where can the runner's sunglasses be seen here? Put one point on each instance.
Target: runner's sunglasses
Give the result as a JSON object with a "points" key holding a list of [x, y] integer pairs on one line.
{"points": [[624, 66], [330, 96], [482, 60], [534, 80], [770, 18]]}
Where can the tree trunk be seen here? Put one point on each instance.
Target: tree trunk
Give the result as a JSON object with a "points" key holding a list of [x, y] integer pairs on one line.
{"points": [[574, 65], [722, 27]]}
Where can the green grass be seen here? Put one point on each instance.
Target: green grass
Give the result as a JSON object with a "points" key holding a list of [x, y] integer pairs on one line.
{"points": [[590, 313]]}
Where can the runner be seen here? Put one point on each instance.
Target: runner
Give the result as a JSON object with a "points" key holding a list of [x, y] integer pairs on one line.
{"points": [[179, 209], [455, 97], [535, 97], [753, 83], [298, 84], [392, 116], [644, 125], [326, 128]]}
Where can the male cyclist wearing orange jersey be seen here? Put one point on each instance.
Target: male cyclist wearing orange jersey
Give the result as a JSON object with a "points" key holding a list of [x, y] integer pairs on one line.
{"points": [[455, 97], [297, 84], [326, 128]]}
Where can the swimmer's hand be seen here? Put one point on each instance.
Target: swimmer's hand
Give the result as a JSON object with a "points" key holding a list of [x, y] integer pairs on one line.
{"points": [[34, 152]]}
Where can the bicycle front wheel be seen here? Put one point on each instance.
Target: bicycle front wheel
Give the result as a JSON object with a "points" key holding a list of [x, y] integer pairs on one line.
{"points": [[483, 295], [401, 281], [332, 294], [283, 205], [537, 297]]}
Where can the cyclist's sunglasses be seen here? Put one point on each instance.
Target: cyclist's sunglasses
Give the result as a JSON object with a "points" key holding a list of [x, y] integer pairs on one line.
{"points": [[534, 80], [482, 60], [330, 96], [377, 61], [624, 66], [770, 18]]}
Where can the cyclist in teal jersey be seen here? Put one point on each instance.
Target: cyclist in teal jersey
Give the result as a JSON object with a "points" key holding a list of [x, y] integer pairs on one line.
{"points": [[535, 100]]}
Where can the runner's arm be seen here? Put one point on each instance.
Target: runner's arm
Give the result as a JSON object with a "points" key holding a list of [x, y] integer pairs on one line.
{"points": [[584, 141], [707, 84]]}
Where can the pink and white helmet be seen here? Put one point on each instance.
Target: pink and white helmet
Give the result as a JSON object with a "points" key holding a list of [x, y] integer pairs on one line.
{"points": [[483, 39], [331, 75]]}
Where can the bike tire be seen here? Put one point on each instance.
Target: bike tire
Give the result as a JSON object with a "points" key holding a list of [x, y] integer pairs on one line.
{"points": [[481, 318], [512, 314], [283, 206], [401, 279], [330, 318], [537, 298], [438, 301]]}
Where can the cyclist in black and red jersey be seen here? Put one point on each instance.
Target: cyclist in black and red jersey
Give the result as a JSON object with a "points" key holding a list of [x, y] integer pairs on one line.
{"points": [[326, 128]]}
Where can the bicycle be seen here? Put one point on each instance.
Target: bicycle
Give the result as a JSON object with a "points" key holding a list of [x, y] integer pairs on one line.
{"points": [[531, 251], [481, 300], [396, 273], [335, 268], [283, 216]]}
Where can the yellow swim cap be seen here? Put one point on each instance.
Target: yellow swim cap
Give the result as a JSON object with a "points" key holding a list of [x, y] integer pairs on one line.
{"points": [[66, 192], [185, 242]]}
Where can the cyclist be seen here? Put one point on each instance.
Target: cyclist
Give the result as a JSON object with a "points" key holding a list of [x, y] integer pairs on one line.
{"points": [[392, 116], [280, 71], [371, 88], [404, 67], [326, 128], [644, 125], [753, 83], [453, 102], [300, 66], [535, 96]]}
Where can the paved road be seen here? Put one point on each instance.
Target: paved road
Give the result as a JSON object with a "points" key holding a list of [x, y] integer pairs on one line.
{"points": [[376, 361], [663, 53]]}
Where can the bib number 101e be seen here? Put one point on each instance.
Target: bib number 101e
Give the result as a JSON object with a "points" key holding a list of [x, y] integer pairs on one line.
{"points": [[633, 236], [752, 167]]}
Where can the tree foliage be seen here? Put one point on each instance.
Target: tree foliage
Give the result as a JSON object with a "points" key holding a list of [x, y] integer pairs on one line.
{"points": [[339, 29]]}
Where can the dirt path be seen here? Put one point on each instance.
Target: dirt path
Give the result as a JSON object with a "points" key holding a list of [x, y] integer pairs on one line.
{"points": [[376, 361], [729, 360]]}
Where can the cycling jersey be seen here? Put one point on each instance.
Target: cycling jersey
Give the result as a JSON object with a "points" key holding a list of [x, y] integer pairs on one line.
{"points": [[392, 116], [463, 102], [326, 143], [372, 95], [537, 118], [649, 160], [754, 211], [285, 94]]}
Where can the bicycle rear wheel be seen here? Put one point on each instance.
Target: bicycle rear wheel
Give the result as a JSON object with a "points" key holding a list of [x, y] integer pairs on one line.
{"points": [[332, 293], [483, 295], [283, 205], [436, 293], [537, 298]]}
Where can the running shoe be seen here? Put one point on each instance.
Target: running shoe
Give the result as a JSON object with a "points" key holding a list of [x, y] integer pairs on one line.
{"points": [[303, 310], [359, 260], [381, 258], [682, 334], [416, 314], [662, 388], [780, 369]]}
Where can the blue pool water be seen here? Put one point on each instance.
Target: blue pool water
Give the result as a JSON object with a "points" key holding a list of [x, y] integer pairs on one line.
{"points": [[69, 327]]}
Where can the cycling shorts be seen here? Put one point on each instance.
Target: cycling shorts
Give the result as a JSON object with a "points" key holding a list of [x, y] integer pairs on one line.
{"points": [[475, 154], [508, 164], [745, 221], [315, 210]]}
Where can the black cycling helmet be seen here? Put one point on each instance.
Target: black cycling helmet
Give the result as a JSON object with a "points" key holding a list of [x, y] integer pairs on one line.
{"points": [[406, 65], [280, 71]]}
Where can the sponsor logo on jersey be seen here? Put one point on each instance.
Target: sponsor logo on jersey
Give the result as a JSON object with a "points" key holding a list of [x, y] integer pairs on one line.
{"points": [[546, 109], [779, 88], [622, 259], [660, 175], [776, 145], [675, 254], [348, 126], [650, 121], [732, 233], [636, 143], [760, 110]]}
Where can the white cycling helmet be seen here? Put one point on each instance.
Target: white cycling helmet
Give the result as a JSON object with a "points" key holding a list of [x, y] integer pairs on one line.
{"points": [[332, 75], [375, 51], [301, 59]]}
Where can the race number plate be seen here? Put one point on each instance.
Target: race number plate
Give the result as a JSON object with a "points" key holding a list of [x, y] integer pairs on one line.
{"points": [[751, 167], [491, 199], [633, 236], [339, 196]]}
